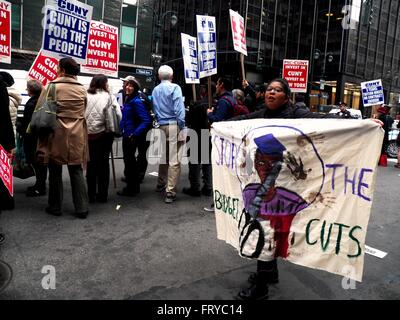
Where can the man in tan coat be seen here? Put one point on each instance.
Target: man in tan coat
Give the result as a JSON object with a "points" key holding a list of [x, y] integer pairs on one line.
{"points": [[68, 144]]}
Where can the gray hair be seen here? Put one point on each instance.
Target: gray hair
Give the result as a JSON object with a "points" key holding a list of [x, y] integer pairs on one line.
{"points": [[34, 87], [238, 94], [165, 72]]}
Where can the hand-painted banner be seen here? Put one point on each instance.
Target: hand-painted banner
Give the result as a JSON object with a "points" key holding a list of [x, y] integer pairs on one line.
{"points": [[43, 69], [190, 59], [207, 45], [283, 188], [296, 74], [102, 54], [372, 93], [6, 170], [238, 32], [66, 29], [5, 32]]}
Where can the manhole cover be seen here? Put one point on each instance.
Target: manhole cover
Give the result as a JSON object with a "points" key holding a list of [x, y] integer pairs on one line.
{"points": [[5, 275]]}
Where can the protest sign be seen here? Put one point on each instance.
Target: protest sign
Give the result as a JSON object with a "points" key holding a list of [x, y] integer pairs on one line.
{"points": [[238, 32], [282, 188], [207, 45], [43, 69], [296, 74], [6, 170], [190, 59], [102, 54], [372, 93], [5, 32], [66, 29]]}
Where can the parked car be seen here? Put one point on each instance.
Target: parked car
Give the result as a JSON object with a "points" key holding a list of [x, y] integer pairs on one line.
{"points": [[392, 148], [354, 112]]}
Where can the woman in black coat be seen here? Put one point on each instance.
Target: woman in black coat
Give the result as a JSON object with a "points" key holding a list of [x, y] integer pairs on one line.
{"points": [[7, 138], [30, 140]]}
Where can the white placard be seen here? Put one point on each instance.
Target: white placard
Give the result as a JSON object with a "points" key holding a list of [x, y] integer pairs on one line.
{"points": [[207, 45], [190, 58]]}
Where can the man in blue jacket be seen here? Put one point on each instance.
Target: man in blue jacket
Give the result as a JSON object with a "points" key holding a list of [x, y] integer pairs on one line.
{"points": [[169, 111]]}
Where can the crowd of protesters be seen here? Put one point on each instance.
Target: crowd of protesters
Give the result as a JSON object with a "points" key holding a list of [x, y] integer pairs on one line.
{"points": [[82, 138]]}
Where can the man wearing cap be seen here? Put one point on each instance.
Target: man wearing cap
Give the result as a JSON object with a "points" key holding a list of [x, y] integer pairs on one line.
{"points": [[343, 112], [169, 111]]}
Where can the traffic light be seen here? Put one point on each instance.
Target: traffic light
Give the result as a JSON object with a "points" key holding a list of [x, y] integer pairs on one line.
{"points": [[367, 13]]}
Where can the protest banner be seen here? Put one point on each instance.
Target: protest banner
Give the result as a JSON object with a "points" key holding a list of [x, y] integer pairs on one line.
{"points": [[190, 59], [283, 188], [296, 74], [5, 32], [6, 170], [207, 45], [66, 29], [43, 69], [372, 93], [102, 56]]}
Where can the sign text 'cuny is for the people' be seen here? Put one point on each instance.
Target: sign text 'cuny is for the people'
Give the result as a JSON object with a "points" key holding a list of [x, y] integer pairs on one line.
{"points": [[66, 29], [190, 59], [5, 32], [207, 45], [102, 56], [43, 69], [296, 74]]}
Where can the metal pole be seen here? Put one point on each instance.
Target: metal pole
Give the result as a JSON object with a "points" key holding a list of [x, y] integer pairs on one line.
{"points": [[326, 38], [260, 31]]}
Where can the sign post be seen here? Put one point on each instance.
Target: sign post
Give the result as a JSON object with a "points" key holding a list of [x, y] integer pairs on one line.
{"points": [[5, 32], [296, 74], [239, 37]]}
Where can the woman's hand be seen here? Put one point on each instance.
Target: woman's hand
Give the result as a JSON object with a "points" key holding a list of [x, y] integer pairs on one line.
{"points": [[378, 122]]}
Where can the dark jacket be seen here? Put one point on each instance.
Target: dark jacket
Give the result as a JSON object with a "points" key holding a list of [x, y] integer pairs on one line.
{"points": [[287, 111], [7, 138], [223, 110], [135, 118], [196, 117], [23, 122]]}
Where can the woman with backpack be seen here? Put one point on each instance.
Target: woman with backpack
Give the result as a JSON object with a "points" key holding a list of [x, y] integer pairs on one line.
{"points": [[99, 99]]}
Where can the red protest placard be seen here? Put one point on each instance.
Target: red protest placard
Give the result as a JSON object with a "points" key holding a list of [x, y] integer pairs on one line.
{"points": [[6, 170], [296, 74], [44, 68], [5, 32], [238, 32], [102, 56]]}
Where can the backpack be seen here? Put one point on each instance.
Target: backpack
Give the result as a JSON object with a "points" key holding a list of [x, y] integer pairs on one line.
{"points": [[112, 119], [148, 104], [237, 108]]}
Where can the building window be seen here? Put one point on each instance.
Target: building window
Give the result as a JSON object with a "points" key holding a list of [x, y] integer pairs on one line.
{"points": [[97, 8], [128, 31], [16, 26]]}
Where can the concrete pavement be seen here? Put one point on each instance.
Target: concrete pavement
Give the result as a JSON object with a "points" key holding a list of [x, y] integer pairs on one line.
{"points": [[151, 250]]}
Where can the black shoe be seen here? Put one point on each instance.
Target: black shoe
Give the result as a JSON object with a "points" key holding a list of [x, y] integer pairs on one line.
{"points": [[127, 193], [169, 198], [272, 277], [82, 215], [191, 192], [33, 192], [206, 192], [53, 212], [2, 238], [254, 292]]}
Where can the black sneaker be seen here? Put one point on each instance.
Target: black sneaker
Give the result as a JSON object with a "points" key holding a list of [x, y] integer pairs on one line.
{"points": [[272, 277], [191, 192], [35, 192], [53, 212], [254, 293], [169, 198], [2, 238], [127, 193], [206, 192], [82, 215]]}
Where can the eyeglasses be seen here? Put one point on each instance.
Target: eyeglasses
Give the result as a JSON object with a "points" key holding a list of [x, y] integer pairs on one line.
{"points": [[277, 90]]}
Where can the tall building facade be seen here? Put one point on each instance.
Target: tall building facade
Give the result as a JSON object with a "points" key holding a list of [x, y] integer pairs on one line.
{"points": [[345, 41]]}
